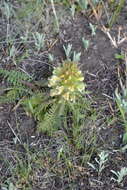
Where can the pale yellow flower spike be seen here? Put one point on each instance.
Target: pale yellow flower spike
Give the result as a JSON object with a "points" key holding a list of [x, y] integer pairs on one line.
{"points": [[66, 81]]}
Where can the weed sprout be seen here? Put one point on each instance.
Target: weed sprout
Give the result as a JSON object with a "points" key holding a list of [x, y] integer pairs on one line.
{"points": [[39, 40]]}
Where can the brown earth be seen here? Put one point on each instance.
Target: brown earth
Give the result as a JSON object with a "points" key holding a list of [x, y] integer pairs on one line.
{"points": [[99, 67]]}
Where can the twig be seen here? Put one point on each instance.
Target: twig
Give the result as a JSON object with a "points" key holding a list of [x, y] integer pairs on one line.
{"points": [[14, 132], [54, 12], [113, 40]]}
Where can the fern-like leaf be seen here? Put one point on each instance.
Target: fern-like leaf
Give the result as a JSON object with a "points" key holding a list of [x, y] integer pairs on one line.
{"points": [[48, 124], [15, 78], [15, 82], [52, 118]]}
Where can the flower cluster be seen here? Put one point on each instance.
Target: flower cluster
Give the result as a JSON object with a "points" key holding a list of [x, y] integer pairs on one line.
{"points": [[66, 81]]}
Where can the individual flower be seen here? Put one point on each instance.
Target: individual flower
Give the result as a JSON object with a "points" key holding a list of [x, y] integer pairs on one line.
{"points": [[67, 81]]}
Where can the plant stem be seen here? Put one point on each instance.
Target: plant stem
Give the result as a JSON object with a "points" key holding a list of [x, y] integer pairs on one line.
{"points": [[116, 13], [55, 15]]}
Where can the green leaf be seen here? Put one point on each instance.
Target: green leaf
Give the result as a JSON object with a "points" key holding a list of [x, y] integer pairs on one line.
{"points": [[125, 138], [119, 56], [12, 187]]}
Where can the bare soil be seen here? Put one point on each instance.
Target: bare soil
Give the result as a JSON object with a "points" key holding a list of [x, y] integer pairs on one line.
{"points": [[100, 69]]}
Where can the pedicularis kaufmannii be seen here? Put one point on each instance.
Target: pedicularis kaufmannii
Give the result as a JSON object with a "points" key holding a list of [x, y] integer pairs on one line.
{"points": [[67, 81]]}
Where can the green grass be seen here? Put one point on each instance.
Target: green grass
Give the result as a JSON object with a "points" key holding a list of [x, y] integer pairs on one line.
{"points": [[67, 133]]}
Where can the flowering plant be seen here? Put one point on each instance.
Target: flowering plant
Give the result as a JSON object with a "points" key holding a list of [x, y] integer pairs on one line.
{"points": [[67, 81]]}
